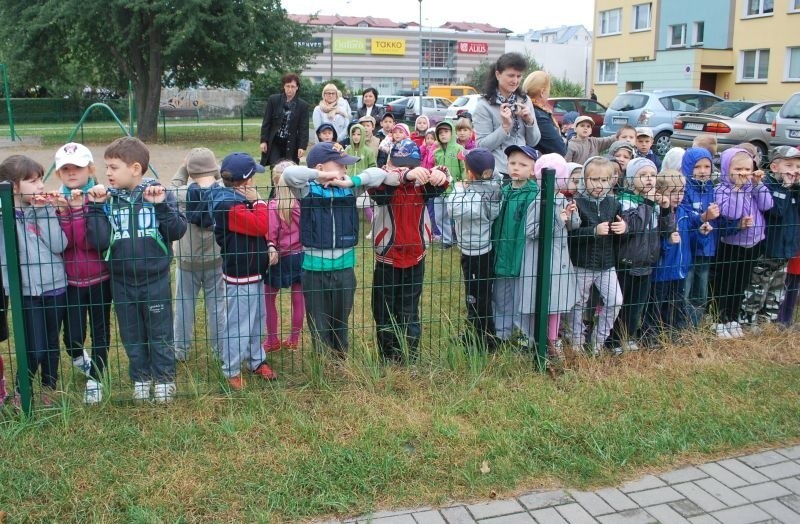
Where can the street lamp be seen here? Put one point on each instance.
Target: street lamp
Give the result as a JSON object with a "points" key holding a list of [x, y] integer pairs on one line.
{"points": [[419, 79]]}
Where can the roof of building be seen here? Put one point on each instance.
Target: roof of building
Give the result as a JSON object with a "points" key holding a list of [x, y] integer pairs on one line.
{"points": [[563, 34], [385, 23]]}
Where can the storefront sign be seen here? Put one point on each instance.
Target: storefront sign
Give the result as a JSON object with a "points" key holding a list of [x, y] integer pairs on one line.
{"points": [[388, 46], [349, 46], [473, 48], [314, 44]]}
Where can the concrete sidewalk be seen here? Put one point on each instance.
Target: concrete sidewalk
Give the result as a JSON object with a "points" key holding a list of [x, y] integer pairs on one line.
{"points": [[762, 487]]}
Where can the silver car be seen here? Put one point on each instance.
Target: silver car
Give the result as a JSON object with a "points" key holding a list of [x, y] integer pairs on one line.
{"points": [[732, 122], [434, 107], [786, 126]]}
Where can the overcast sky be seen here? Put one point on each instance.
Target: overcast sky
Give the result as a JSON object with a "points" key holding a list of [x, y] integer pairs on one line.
{"points": [[536, 14]]}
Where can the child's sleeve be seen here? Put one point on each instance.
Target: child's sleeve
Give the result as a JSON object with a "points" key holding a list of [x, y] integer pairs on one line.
{"points": [[571, 150], [635, 217], [532, 219], [667, 221], [297, 178], [602, 144], [369, 178], [273, 221], [251, 221], [491, 198], [50, 229], [98, 227], [171, 222], [730, 202], [762, 197]]}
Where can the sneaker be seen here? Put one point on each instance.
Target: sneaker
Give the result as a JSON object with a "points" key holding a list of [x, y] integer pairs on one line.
{"points": [[164, 392], [141, 390], [617, 351], [631, 346], [721, 331], [236, 383], [735, 329], [368, 236], [264, 371], [271, 346], [94, 392], [83, 363]]}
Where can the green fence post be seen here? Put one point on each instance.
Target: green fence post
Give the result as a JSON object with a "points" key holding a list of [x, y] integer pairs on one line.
{"points": [[241, 124], [543, 276], [15, 292], [164, 125], [130, 109]]}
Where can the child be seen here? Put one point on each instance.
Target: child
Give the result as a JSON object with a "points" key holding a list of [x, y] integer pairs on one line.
{"points": [[707, 141], [421, 124], [402, 232], [329, 233], [465, 136], [563, 286], [568, 125], [638, 249], [398, 133], [358, 149], [450, 155], [591, 249], [241, 225], [139, 253], [743, 199], [667, 308], [698, 203], [370, 140], [508, 236], [428, 155], [620, 153], [326, 133], [474, 205], [574, 180], [644, 143], [583, 145], [88, 279], [199, 261], [673, 158], [284, 232], [627, 133], [44, 281], [387, 124]]}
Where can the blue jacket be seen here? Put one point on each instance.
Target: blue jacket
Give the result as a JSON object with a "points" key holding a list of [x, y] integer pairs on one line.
{"points": [[328, 217], [244, 255], [696, 199], [783, 220], [652, 157], [676, 259]]}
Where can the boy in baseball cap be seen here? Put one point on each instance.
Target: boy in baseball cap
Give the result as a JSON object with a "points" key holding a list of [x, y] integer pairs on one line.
{"points": [[583, 145], [644, 144]]}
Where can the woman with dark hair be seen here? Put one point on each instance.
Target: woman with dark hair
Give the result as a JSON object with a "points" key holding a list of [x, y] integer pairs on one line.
{"points": [[284, 130], [504, 115], [370, 106], [537, 87]]}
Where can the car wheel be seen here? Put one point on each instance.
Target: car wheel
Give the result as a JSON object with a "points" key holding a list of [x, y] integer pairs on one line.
{"points": [[762, 150], [662, 143]]}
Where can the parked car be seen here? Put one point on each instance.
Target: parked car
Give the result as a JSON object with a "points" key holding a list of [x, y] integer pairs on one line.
{"points": [[462, 104], [434, 107], [733, 122], [656, 109], [583, 106], [786, 126], [398, 108]]}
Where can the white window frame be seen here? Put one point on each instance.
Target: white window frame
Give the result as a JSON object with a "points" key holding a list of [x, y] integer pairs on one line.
{"points": [[788, 64], [683, 35], [602, 65], [756, 66], [695, 41], [607, 14], [635, 17], [761, 12], [794, 6]]}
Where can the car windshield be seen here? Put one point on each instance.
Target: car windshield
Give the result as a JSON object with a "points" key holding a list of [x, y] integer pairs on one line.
{"points": [[791, 109], [729, 109], [461, 101], [628, 102]]}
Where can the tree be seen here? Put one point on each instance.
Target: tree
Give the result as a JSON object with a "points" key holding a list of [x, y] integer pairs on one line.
{"points": [[149, 42], [477, 77]]}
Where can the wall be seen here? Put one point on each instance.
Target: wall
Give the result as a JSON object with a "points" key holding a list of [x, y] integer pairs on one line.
{"points": [[715, 14], [570, 61]]}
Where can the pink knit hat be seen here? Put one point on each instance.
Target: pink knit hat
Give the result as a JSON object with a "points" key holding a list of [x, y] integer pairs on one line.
{"points": [[552, 161]]}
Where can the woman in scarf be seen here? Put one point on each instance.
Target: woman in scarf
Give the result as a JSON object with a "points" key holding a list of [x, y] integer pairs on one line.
{"points": [[332, 111], [537, 86]]}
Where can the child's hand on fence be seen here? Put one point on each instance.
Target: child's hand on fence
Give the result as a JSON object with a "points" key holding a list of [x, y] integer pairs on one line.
{"points": [[98, 194], [571, 207], [42, 199], [272, 252], [326, 177], [249, 192], [154, 194], [746, 222], [711, 213], [76, 198], [674, 238], [602, 229], [706, 228], [618, 226], [345, 181], [437, 177], [757, 177], [419, 174]]}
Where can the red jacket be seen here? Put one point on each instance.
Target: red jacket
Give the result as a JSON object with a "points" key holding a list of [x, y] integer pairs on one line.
{"points": [[82, 262]]}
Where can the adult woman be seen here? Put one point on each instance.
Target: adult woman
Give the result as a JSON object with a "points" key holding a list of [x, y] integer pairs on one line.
{"points": [[331, 111], [369, 105], [284, 130], [504, 115], [537, 87]]}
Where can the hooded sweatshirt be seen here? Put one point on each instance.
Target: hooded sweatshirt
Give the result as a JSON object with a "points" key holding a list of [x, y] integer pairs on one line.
{"points": [[450, 155], [697, 197], [419, 136], [360, 150], [84, 265], [737, 203]]}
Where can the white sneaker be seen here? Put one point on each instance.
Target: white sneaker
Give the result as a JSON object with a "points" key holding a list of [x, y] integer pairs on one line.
{"points": [[164, 392], [722, 331], [83, 363], [94, 392], [617, 351], [141, 390], [735, 329], [597, 350], [631, 346]]}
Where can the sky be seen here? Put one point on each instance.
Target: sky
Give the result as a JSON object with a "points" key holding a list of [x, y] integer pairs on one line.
{"points": [[536, 14]]}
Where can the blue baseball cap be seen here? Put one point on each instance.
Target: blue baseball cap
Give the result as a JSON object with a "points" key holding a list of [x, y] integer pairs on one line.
{"points": [[241, 166], [524, 149], [405, 153], [479, 160], [329, 152]]}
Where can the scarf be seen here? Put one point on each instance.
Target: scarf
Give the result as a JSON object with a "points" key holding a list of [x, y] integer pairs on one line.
{"points": [[330, 109], [288, 109], [511, 100]]}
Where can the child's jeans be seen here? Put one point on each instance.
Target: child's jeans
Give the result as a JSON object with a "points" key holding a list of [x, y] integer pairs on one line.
{"points": [[188, 284], [94, 301], [506, 308], [478, 273], [696, 289], [635, 295], [667, 311], [242, 342], [42, 317], [606, 282], [329, 297], [443, 220], [396, 293], [786, 311]]}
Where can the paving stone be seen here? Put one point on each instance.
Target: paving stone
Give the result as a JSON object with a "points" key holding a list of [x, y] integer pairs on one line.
{"points": [[646, 482], [792, 483], [591, 503], [633, 516], [394, 519], [699, 496], [544, 499], [651, 497], [616, 499], [683, 475], [457, 515], [742, 515], [666, 515], [703, 519], [548, 516], [765, 458], [516, 518], [687, 508], [743, 470], [495, 508], [428, 517], [390, 513], [779, 511], [793, 501], [792, 453], [725, 495], [575, 514], [759, 492], [723, 475], [781, 470]]}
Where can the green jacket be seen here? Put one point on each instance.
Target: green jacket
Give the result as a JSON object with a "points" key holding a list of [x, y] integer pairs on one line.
{"points": [[508, 233], [365, 153], [450, 155]]}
